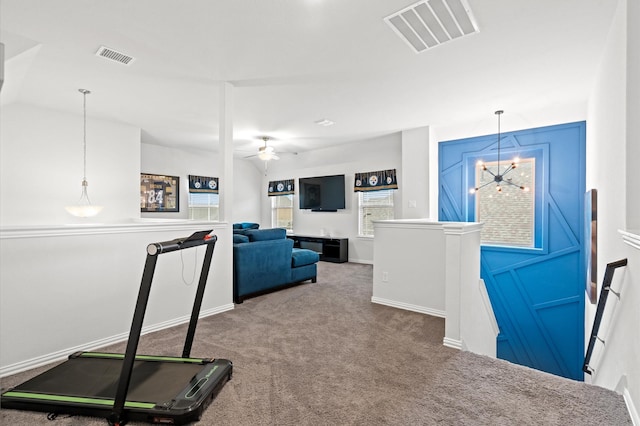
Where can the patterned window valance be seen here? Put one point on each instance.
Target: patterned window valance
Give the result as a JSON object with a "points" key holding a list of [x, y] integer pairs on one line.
{"points": [[376, 181], [281, 187], [203, 184]]}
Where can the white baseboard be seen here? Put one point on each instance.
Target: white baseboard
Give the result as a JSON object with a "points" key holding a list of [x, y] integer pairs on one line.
{"points": [[452, 343], [409, 307], [363, 261], [633, 412], [100, 343]]}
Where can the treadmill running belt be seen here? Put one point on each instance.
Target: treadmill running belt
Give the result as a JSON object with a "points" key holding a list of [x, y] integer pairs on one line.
{"points": [[151, 381]]}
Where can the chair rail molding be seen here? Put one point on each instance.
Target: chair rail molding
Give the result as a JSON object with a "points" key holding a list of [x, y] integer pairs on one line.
{"points": [[631, 238]]}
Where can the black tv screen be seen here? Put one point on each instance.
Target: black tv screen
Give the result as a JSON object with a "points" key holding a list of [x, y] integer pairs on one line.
{"points": [[322, 193]]}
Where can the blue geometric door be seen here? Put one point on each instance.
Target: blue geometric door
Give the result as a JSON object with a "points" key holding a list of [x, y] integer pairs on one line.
{"points": [[537, 292]]}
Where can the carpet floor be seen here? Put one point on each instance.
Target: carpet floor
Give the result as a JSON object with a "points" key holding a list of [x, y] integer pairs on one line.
{"points": [[323, 354]]}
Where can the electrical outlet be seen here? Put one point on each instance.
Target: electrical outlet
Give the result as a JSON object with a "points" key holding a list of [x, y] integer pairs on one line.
{"points": [[385, 277]]}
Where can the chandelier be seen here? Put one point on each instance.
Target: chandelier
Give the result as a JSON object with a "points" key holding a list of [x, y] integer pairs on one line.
{"points": [[84, 208], [498, 176]]}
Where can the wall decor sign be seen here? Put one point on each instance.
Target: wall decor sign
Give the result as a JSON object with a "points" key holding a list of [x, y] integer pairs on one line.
{"points": [[159, 193]]}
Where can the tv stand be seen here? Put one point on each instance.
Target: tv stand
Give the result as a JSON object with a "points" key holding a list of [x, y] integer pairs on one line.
{"points": [[330, 249]]}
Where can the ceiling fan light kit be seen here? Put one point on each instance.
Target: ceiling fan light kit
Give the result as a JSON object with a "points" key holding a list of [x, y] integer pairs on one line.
{"points": [[267, 153]]}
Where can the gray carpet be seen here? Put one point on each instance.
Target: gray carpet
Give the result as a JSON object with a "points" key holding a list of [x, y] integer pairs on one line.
{"points": [[323, 354]]}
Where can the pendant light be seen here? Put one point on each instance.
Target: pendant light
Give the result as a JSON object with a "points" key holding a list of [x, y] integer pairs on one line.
{"points": [[498, 177], [84, 208]]}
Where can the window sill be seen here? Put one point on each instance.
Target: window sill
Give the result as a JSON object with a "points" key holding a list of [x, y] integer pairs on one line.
{"points": [[365, 237]]}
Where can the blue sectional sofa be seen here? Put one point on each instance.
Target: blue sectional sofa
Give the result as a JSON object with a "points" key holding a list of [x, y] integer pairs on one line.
{"points": [[264, 260]]}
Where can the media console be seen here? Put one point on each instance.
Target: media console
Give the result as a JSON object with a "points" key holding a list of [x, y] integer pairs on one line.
{"points": [[330, 249]]}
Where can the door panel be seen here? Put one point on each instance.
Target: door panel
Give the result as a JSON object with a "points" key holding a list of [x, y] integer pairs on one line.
{"points": [[537, 293]]}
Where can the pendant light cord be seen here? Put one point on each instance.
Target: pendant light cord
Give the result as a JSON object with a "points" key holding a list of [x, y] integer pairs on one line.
{"points": [[499, 113], [84, 92], [84, 136]]}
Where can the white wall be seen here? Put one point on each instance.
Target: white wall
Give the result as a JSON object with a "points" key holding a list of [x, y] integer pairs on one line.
{"points": [[415, 201], [70, 288], [515, 117], [66, 283], [633, 112], [41, 166], [612, 145], [409, 265], [177, 162], [369, 155]]}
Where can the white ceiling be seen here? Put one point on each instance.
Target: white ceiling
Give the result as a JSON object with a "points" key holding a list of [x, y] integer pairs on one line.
{"points": [[294, 62]]}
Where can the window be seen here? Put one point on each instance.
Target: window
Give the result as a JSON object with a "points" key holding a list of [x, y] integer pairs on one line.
{"points": [[282, 212], [203, 206], [373, 205], [509, 215]]}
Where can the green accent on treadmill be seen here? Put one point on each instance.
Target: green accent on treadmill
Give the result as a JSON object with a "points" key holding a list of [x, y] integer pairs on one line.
{"points": [[78, 400], [141, 357], [211, 372]]}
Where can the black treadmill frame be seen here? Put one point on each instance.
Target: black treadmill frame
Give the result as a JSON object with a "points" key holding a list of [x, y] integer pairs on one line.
{"points": [[122, 410]]}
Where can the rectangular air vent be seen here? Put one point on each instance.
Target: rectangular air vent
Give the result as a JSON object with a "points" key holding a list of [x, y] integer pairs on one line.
{"points": [[430, 23], [114, 55]]}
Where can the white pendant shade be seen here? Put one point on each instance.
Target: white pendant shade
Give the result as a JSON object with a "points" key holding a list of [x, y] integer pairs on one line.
{"points": [[84, 208]]}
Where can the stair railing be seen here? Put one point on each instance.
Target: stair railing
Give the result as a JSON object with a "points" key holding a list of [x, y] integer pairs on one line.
{"points": [[604, 293]]}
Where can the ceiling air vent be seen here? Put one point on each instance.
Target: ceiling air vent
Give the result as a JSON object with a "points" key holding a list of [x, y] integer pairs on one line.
{"points": [[105, 52], [430, 23]]}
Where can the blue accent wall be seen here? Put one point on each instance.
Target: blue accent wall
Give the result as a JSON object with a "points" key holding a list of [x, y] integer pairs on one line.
{"points": [[537, 293]]}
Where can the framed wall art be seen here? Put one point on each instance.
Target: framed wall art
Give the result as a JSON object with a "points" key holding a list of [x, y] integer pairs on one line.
{"points": [[591, 243], [159, 193]]}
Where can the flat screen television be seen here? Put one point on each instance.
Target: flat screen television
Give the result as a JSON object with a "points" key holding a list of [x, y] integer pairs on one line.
{"points": [[322, 193]]}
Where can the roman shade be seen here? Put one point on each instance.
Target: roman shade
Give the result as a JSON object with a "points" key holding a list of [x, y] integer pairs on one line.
{"points": [[204, 184], [375, 181], [281, 187]]}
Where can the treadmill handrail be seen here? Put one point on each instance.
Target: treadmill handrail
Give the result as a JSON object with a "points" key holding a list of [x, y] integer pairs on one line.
{"points": [[194, 240], [118, 416]]}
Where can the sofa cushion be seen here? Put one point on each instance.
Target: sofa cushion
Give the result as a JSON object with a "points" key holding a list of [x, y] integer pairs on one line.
{"points": [[239, 238], [301, 257], [246, 225], [266, 234]]}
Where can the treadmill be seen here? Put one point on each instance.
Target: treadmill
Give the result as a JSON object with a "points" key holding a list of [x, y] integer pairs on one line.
{"points": [[127, 387]]}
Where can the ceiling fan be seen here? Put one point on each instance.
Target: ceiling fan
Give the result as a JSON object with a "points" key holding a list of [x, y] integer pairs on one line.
{"points": [[266, 152]]}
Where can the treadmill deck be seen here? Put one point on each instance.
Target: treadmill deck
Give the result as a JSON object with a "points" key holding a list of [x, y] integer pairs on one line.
{"points": [[162, 389]]}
